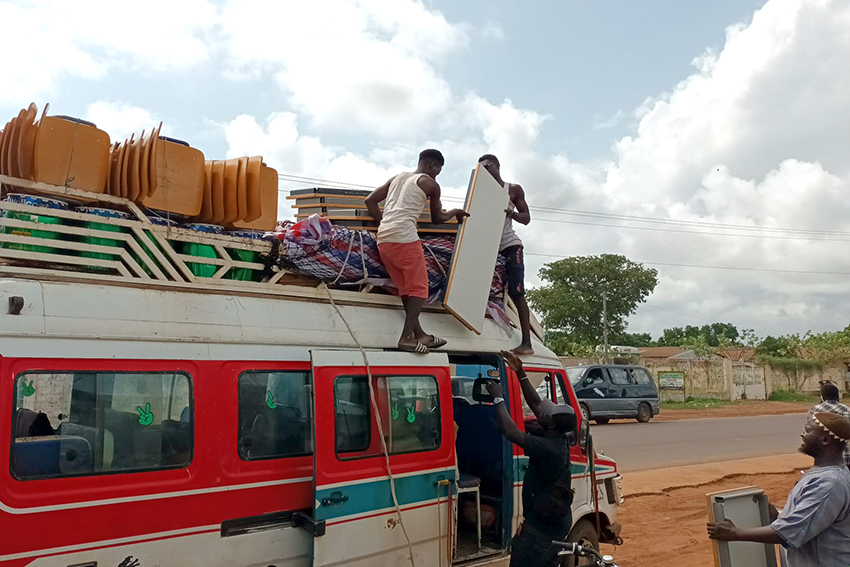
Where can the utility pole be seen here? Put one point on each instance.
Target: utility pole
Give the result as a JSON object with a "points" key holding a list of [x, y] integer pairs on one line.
{"points": [[605, 325]]}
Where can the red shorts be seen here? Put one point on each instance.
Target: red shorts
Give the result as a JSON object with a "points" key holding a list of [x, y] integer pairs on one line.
{"points": [[405, 263]]}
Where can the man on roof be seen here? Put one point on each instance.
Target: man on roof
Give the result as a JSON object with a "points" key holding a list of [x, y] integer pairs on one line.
{"points": [[399, 246], [511, 248]]}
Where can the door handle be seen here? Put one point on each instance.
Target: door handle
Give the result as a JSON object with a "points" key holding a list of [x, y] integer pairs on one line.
{"points": [[335, 499]]}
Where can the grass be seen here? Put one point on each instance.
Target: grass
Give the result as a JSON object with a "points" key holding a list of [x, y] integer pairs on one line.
{"points": [[696, 403], [791, 396], [711, 403]]}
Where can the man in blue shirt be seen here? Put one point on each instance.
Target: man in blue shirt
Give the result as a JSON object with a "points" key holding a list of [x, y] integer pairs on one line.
{"points": [[814, 526]]}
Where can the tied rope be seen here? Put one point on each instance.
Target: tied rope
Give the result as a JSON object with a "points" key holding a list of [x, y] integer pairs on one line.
{"points": [[380, 425]]}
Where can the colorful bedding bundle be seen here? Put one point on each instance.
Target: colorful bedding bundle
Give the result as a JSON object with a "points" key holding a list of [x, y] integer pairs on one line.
{"points": [[345, 257]]}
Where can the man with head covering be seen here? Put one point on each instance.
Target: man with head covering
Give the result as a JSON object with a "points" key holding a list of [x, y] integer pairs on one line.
{"points": [[546, 493], [831, 403], [814, 526]]}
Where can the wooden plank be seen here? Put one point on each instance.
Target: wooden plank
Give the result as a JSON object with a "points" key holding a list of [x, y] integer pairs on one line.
{"points": [[59, 191], [48, 258], [476, 248]]}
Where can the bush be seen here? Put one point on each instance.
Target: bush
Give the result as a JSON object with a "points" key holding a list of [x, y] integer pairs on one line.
{"points": [[788, 396]]}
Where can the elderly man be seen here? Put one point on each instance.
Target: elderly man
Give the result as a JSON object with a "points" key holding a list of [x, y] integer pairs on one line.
{"points": [[814, 526], [831, 403]]}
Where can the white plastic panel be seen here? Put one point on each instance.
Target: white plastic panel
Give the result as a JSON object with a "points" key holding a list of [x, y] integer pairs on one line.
{"points": [[476, 250]]}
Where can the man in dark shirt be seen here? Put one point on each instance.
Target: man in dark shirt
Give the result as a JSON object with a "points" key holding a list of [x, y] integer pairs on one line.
{"points": [[546, 494]]}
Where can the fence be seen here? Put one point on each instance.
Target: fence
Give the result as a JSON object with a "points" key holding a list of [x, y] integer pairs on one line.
{"points": [[727, 380]]}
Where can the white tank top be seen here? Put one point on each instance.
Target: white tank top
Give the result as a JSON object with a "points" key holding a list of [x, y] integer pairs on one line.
{"points": [[402, 209], [509, 237]]}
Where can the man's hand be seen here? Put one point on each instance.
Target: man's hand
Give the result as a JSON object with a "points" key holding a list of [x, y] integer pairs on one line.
{"points": [[512, 360], [495, 389], [459, 214], [724, 531], [509, 213]]}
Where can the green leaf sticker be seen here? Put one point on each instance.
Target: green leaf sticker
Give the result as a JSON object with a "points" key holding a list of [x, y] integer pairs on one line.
{"points": [[145, 415], [270, 400], [27, 390], [411, 417], [395, 412]]}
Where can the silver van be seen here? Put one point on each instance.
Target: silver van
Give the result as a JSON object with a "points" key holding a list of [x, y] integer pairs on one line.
{"points": [[613, 391]]}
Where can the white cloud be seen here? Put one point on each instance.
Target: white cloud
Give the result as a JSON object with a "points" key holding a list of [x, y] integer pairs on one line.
{"points": [[121, 120], [349, 65], [492, 30], [753, 137], [85, 39]]}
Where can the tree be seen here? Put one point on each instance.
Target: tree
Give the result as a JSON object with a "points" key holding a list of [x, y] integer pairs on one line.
{"points": [[716, 334], [571, 299], [632, 339]]}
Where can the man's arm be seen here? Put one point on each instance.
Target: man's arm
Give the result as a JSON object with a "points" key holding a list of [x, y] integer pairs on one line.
{"points": [[503, 419], [532, 398], [431, 188], [522, 214], [376, 197], [727, 531]]}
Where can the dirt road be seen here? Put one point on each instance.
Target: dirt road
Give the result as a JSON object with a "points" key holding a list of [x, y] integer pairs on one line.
{"points": [[665, 511]]}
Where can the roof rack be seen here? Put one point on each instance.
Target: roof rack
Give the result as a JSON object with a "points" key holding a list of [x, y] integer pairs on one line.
{"points": [[134, 251]]}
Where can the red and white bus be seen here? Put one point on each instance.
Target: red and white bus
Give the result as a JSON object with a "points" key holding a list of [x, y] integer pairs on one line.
{"points": [[151, 427]]}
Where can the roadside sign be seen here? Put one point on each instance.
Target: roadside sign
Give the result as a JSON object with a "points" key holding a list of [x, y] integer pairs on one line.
{"points": [[671, 380]]}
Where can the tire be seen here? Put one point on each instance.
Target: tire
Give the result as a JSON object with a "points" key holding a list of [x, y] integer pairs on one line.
{"points": [[585, 534], [585, 412], [644, 412], [601, 420]]}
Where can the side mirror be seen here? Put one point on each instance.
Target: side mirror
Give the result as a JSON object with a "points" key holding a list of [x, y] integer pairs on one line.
{"points": [[479, 390], [583, 434]]}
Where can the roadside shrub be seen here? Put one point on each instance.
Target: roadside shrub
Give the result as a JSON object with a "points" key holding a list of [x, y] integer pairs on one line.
{"points": [[788, 396]]}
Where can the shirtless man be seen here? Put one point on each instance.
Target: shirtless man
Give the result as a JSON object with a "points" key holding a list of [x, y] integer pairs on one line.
{"points": [[401, 251], [511, 248]]}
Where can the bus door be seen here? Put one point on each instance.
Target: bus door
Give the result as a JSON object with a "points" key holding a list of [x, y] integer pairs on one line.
{"points": [[355, 520]]}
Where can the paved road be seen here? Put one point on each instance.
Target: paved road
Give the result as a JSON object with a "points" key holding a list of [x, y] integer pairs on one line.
{"points": [[639, 446]]}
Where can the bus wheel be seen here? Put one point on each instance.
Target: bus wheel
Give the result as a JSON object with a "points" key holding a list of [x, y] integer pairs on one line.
{"points": [[644, 412], [585, 534]]}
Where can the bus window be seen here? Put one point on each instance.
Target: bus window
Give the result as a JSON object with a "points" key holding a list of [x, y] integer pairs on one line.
{"points": [[275, 414], [410, 415], [85, 423]]}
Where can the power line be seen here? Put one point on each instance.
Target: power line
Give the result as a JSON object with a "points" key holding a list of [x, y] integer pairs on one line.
{"points": [[656, 229], [619, 217], [677, 312], [706, 224], [705, 267]]}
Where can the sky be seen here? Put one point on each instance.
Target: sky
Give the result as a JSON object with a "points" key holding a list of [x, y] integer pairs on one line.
{"points": [[708, 140]]}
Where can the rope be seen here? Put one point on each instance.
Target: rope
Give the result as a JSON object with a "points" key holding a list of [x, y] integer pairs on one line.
{"points": [[380, 425], [345, 263]]}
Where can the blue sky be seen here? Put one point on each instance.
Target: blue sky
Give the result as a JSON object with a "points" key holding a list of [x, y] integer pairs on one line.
{"points": [[708, 139]]}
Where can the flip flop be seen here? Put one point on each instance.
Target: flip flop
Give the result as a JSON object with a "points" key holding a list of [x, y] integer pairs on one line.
{"points": [[436, 342], [419, 348]]}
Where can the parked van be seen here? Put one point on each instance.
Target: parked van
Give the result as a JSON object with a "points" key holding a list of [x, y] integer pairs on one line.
{"points": [[171, 426], [614, 391]]}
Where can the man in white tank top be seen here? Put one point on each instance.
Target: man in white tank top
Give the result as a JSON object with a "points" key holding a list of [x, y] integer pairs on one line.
{"points": [[404, 198], [511, 248]]}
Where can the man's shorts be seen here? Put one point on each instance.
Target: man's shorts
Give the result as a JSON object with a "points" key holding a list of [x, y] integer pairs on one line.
{"points": [[515, 267], [405, 263]]}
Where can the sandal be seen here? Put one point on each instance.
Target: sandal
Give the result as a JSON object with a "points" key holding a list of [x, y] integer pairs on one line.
{"points": [[418, 348], [436, 342]]}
